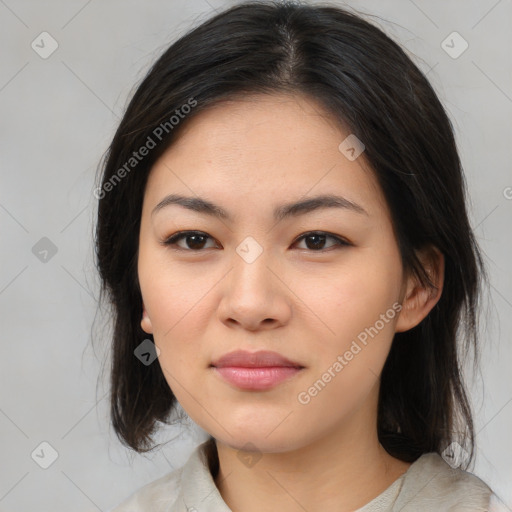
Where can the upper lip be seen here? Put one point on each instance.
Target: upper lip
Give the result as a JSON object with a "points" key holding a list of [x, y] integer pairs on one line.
{"points": [[245, 359]]}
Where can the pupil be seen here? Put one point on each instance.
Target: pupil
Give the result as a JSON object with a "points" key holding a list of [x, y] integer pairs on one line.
{"points": [[321, 241], [194, 245]]}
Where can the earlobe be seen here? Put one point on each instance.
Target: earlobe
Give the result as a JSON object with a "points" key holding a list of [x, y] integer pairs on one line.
{"points": [[145, 323], [420, 299]]}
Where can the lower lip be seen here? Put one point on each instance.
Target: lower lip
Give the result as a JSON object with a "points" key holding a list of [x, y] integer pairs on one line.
{"points": [[257, 378]]}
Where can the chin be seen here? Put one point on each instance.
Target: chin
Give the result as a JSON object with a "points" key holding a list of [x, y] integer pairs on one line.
{"points": [[251, 440]]}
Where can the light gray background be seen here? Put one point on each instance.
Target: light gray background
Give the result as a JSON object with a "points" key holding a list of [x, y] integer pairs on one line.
{"points": [[57, 118]]}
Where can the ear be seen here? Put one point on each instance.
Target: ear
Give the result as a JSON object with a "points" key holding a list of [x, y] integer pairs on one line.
{"points": [[145, 323], [419, 299]]}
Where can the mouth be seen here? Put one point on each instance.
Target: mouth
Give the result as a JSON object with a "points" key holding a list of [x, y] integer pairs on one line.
{"points": [[260, 359], [255, 371], [256, 379]]}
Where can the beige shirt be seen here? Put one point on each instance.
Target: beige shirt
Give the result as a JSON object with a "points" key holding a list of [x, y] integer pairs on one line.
{"points": [[430, 484]]}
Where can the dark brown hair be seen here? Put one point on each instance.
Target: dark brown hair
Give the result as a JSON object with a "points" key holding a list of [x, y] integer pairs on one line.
{"points": [[367, 82]]}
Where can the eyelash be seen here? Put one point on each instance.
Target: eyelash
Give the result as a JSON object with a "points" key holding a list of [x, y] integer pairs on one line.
{"points": [[173, 239]]}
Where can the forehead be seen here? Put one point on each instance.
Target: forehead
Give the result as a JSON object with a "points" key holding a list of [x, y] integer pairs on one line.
{"points": [[232, 125], [266, 148]]}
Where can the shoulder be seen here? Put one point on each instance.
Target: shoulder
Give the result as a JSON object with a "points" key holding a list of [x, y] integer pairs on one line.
{"points": [[156, 496], [191, 483], [431, 482]]}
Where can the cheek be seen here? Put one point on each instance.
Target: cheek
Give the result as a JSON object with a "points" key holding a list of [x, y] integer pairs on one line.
{"points": [[353, 341], [176, 303], [357, 310], [172, 293], [352, 296]]}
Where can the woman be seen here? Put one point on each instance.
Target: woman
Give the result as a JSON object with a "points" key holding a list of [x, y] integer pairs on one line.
{"points": [[283, 236]]}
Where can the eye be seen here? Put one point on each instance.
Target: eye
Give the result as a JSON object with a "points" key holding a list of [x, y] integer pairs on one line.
{"points": [[315, 240], [195, 240]]}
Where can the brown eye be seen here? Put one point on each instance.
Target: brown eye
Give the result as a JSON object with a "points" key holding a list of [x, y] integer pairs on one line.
{"points": [[315, 241], [194, 240]]}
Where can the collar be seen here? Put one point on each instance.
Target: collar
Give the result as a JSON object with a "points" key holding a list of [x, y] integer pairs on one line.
{"points": [[198, 491], [428, 481]]}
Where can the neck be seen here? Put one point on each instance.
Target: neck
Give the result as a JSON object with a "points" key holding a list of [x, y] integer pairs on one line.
{"points": [[342, 471]]}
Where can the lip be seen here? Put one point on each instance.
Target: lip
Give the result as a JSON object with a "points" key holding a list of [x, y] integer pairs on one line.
{"points": [[257, 379], [260, 359], [255, 370]]}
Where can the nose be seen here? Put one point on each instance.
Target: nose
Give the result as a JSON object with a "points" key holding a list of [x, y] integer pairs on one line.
{"points": [[255, 296]]}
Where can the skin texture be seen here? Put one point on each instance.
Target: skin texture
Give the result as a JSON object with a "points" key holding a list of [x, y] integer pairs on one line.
{"points": [[308, 302]]}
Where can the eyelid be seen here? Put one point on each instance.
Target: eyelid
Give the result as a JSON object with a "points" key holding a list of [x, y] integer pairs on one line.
{"points": [[340, 241], [179, 235]]}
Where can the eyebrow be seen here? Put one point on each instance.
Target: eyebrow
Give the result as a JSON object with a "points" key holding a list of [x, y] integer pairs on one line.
{"points": [[283, 211]]}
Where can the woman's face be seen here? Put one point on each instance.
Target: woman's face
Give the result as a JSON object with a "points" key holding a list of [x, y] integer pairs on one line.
{"points": [[251, 281]]}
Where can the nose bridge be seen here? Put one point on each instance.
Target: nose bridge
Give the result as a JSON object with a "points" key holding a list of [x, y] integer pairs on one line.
{"points": [[251, 276], [253, 294]]}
